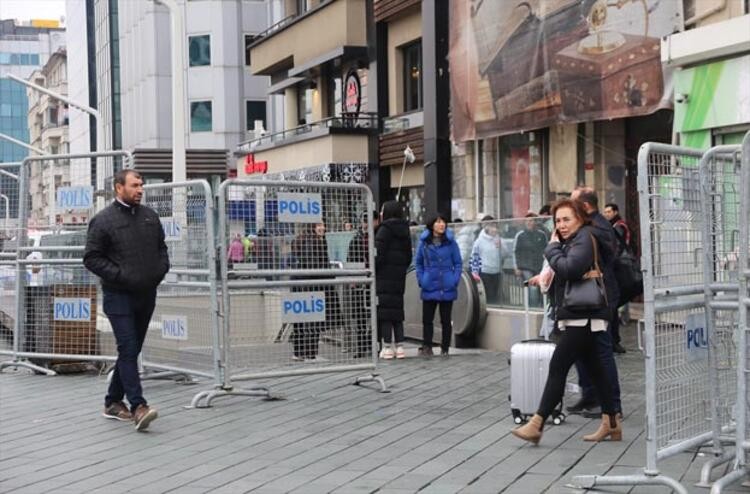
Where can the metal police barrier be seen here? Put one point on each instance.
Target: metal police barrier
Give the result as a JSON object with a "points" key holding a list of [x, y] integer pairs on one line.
{"points": [[678, 396], [56, 315], [720, 201], [8, 240], [740, 468], [282, 304], [183, 335]]}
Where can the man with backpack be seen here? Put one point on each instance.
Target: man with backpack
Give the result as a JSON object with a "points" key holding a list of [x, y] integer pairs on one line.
{"points": [[612, 213]]}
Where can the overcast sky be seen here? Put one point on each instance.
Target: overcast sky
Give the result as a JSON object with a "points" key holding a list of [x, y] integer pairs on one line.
{"points": [[32, 9]]}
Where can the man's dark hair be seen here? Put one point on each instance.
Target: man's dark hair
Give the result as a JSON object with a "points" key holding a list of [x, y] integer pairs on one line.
{"points": [[531, 214], [545, 210], [122, 175], [487, 217], [588, 195], [612, 206]]}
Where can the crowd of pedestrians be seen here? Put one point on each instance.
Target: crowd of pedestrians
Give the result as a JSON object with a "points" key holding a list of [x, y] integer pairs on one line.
{"points": [[580, 245]]}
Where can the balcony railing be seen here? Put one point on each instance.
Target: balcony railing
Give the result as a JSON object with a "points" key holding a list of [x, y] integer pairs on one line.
{"points": [[287, 20], [365, 121]]}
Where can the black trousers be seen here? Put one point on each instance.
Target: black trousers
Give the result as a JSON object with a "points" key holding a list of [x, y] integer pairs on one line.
{"points": [[397, 327], [575, 343], [428, 327], [305, 337], [129, 313]]}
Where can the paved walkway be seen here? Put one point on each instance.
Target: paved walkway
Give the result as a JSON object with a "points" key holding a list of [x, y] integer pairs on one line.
{"points": [[444, 428]]}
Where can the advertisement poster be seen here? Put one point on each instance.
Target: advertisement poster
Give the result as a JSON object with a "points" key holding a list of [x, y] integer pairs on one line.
{"points": [[526, 64]]}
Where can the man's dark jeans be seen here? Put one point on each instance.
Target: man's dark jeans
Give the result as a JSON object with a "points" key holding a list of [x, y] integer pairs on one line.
{"points": [[604, 348], [129, 314]]}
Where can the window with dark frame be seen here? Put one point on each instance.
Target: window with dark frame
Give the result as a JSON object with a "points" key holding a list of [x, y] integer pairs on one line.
{"points": [[255, 110], [412, 76], [199, 50], [201, 116]]}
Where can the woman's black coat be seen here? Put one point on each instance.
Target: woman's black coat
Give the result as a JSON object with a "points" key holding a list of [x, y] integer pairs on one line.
{"points": [[570, 260], [392, 259]]}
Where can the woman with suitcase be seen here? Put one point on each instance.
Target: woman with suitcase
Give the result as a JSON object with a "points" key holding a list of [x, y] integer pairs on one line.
{"points": [[580, 304], [438, 265]]}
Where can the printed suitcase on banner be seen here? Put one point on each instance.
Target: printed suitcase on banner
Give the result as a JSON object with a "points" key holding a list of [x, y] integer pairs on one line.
{"points": [[529, 366]]}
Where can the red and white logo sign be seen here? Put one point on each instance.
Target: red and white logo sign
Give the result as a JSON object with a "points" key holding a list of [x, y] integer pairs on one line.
{"points": [[352, 93], [252, 167]]}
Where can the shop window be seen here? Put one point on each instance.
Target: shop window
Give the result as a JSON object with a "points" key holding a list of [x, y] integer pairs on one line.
{"points": [[412, 76], [249, 40], [255, 110], [199, 48], [200, 116], [522, 174], [304, 105]]}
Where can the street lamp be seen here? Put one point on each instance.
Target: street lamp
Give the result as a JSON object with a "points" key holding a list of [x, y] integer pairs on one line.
{"points": [[178, 90], [91, 111]]}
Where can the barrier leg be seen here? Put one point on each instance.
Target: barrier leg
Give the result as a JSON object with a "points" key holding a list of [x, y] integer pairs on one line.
{"points": [[705, 480], [372, 378], [204, 398], [591, 481], [727, 480], [28, 365]]}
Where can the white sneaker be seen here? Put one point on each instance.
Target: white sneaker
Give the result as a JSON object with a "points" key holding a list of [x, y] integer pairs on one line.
{"points": [[400, 353], [386, 353]]}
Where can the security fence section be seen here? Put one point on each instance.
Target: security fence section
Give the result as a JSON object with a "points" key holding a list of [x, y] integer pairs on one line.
{"points": [[50, 308], [691, 215], [183, 335], [297, 282]]}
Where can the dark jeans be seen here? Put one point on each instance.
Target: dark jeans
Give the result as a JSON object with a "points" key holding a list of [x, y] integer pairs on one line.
{"points": [[607, 359], [305, 338], [428, 327], [384, 328], [491, 282], [614, 326], [129, 314], [575, 344]]}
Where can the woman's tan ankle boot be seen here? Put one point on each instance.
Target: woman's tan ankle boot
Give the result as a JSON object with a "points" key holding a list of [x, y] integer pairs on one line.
{"points": [[609, 427], [531, 431]]}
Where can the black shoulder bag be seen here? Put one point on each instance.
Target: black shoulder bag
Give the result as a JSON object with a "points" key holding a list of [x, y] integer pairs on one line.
{"points": [[588, 293]]}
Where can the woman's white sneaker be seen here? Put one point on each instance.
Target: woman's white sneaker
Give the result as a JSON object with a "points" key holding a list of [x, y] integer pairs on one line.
{"points": [[400, 353], [386, 353]]}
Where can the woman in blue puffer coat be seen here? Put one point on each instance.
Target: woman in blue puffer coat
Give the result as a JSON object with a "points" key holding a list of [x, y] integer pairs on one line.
{"points": [[438, 264]]}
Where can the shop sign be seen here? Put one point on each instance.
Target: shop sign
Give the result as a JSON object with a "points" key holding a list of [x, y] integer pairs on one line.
{"points": [[352, 93], [252, 167]]}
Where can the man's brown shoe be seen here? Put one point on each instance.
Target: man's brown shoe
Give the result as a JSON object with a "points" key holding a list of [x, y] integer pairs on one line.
{"points": [[118, 411], [143, 416]]}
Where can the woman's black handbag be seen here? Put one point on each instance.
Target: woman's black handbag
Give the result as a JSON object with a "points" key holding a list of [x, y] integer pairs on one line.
{"points": [[588, 293]]}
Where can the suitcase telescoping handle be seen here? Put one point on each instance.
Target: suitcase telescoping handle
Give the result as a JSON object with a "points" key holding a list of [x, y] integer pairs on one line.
{"points": [[526, 316]]}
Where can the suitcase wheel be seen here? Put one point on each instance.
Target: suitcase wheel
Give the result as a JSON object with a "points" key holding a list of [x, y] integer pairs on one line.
{"points": [[558, 419], [518, 419]]}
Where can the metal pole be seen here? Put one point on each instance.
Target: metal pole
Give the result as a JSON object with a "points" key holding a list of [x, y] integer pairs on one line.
{"points": [[85, 108], [178, 90], [23, 144], [7, 212]]}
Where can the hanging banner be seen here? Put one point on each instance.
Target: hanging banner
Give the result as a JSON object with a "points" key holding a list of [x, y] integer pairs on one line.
{"points": [[520, 65]]}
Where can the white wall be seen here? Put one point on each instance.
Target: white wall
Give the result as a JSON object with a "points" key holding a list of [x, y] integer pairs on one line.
{"points": [[78, 84], [145, 54]]}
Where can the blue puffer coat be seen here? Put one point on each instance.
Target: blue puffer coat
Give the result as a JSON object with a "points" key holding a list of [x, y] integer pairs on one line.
{"points": [[438, 267]]}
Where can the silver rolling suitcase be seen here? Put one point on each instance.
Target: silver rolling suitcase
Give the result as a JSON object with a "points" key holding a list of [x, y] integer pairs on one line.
{"points": [[529, 366]]}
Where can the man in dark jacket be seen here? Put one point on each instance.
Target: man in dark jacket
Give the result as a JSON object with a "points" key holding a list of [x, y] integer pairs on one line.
{"points": [[392, 260], [125, 248], [607, 243]]}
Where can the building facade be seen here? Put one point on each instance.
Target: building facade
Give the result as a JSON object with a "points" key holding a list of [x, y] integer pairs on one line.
{"points": [[132, 50], [318, 58], [48, 130]]}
